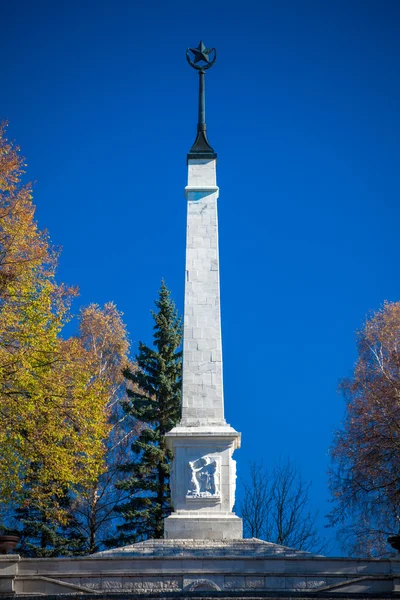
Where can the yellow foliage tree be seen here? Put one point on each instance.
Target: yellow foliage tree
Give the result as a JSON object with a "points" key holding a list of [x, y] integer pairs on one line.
{"points": [[103, 334], [54, 412]]}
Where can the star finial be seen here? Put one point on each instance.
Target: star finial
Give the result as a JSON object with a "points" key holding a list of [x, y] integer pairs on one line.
{"points": [[201, 55], [201, 59]]}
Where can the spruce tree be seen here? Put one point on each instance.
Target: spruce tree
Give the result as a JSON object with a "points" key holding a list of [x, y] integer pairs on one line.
{"points": [[44, 536], [154, 399]]}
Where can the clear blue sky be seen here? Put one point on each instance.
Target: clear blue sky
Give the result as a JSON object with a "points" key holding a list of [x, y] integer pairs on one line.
{"points": [[303, 110]]}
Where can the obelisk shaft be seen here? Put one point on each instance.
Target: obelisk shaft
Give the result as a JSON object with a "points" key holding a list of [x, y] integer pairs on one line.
{"points": [[202, 388]]}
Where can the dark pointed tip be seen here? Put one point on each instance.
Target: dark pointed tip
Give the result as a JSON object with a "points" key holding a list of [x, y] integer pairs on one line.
{"points": [[201, 147]]}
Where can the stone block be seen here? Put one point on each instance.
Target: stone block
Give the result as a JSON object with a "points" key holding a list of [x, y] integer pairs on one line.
{"points": [[215, 528], [171, 584], [255, 583], [295, 583], [203, 583], [111, 583], [90, 582], [6, 585], [234, 583], [8, 565], [313, 583], [274, 583], [334, 580], [334, 566], [130, 584]]}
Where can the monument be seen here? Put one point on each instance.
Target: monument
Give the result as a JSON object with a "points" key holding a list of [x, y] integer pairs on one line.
{"points": [[204, 473], [202, 554]]}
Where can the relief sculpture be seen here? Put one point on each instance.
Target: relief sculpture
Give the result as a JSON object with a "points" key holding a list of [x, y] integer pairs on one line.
{"points": [[204, 482]]}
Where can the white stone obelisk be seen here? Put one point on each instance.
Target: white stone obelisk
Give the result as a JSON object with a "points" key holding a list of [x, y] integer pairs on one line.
{"points": [[203, 477]]}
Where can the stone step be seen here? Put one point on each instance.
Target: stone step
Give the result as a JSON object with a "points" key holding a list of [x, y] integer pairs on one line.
{"points": [[215, 548]]}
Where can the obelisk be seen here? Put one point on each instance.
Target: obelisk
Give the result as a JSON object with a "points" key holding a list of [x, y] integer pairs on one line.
{"points": [[203, 478]]}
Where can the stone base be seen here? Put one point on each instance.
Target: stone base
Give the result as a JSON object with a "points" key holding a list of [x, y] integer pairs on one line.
{"points": [[198, 569], [207, 527]]}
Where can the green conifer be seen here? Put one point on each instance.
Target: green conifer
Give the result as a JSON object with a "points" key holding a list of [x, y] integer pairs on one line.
{"points": [[42, 536], [154, 399]]}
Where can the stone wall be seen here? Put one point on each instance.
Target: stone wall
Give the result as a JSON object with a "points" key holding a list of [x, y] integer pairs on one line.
{"points": [[245, 568]]}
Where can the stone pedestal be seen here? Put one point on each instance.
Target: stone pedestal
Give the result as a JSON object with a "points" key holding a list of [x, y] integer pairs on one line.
{"points": [[203, 482]]}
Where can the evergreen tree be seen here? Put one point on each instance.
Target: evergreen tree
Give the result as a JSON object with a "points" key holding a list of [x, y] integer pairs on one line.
{"points": [[154, 399], [41, 532]]}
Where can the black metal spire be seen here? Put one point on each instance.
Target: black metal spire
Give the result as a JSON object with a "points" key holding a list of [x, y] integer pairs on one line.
{"points": [[202, 59]]}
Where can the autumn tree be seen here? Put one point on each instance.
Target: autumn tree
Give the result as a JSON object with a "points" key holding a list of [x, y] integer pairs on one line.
{"points": [[53, 417], [276, 507], [103, 335], [88, 510], [365, 473], [154, 399]]}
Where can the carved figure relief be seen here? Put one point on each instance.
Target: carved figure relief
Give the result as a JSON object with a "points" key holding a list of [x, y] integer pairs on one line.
{"points": [[204, 481]]}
